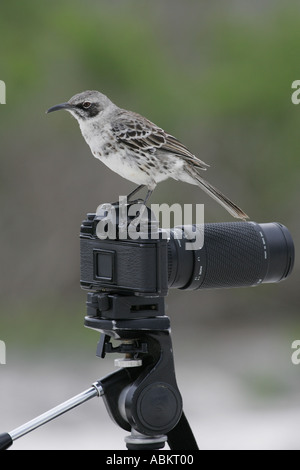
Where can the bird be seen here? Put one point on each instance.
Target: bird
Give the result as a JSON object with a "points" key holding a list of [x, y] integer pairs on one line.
{"points": [[136, 148]]}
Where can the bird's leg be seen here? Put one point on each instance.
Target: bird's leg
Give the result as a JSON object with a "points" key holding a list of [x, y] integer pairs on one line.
{"points": [[136, 201], [137, 189], [148, 195], [142, 208]]}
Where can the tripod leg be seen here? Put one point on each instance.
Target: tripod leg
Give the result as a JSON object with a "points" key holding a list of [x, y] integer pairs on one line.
{"points": [[6, 439], [181, 437]]}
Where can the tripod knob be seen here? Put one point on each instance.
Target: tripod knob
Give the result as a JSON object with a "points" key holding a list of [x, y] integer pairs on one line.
{"points": [[152, 408]]}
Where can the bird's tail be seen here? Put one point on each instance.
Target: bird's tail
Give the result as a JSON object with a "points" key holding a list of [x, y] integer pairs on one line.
{"points": [[232, 208]]}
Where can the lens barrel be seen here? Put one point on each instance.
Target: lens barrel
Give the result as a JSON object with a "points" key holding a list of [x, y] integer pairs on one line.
{"points": [[234, 254]]}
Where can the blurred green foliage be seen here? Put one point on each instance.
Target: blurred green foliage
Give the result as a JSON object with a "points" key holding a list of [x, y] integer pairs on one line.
{"points": [[218, 76]]}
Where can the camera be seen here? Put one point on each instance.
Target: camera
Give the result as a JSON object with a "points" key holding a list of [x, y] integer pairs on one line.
{"points": [[234, 254]]}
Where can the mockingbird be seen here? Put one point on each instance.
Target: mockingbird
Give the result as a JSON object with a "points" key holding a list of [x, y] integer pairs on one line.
{"points": [[136, 148]]}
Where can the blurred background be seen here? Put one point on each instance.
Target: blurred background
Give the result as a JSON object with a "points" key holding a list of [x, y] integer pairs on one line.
{"points": [[217, 75]]}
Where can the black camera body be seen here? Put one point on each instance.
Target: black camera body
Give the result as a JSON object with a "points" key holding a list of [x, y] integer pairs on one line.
{"points": [[125, 265]]}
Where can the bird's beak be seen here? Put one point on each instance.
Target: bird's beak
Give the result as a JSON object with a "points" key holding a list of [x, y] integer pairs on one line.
{"points": [[57, 107]]}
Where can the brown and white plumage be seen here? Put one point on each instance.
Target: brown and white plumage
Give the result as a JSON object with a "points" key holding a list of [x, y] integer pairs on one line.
{"points": [[136, 148]]}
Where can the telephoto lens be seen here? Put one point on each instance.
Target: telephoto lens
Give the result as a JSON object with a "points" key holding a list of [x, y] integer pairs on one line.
{"points": [[234, 254]]}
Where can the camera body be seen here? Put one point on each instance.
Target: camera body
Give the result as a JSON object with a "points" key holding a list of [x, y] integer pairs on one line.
{"points": [[125, 265]]}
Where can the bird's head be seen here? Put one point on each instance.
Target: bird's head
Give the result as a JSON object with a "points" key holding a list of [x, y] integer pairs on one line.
{"points": [[85, 105]]}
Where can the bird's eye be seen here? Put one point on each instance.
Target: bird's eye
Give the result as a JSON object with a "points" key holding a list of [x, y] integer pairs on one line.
{"points": [[86, 104]]}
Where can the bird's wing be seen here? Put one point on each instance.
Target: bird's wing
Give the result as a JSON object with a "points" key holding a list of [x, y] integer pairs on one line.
{"points": [[138, 133]]}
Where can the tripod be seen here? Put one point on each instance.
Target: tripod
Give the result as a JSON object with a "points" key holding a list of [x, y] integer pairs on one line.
{"points": [[141, 397], [129, 280]]}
